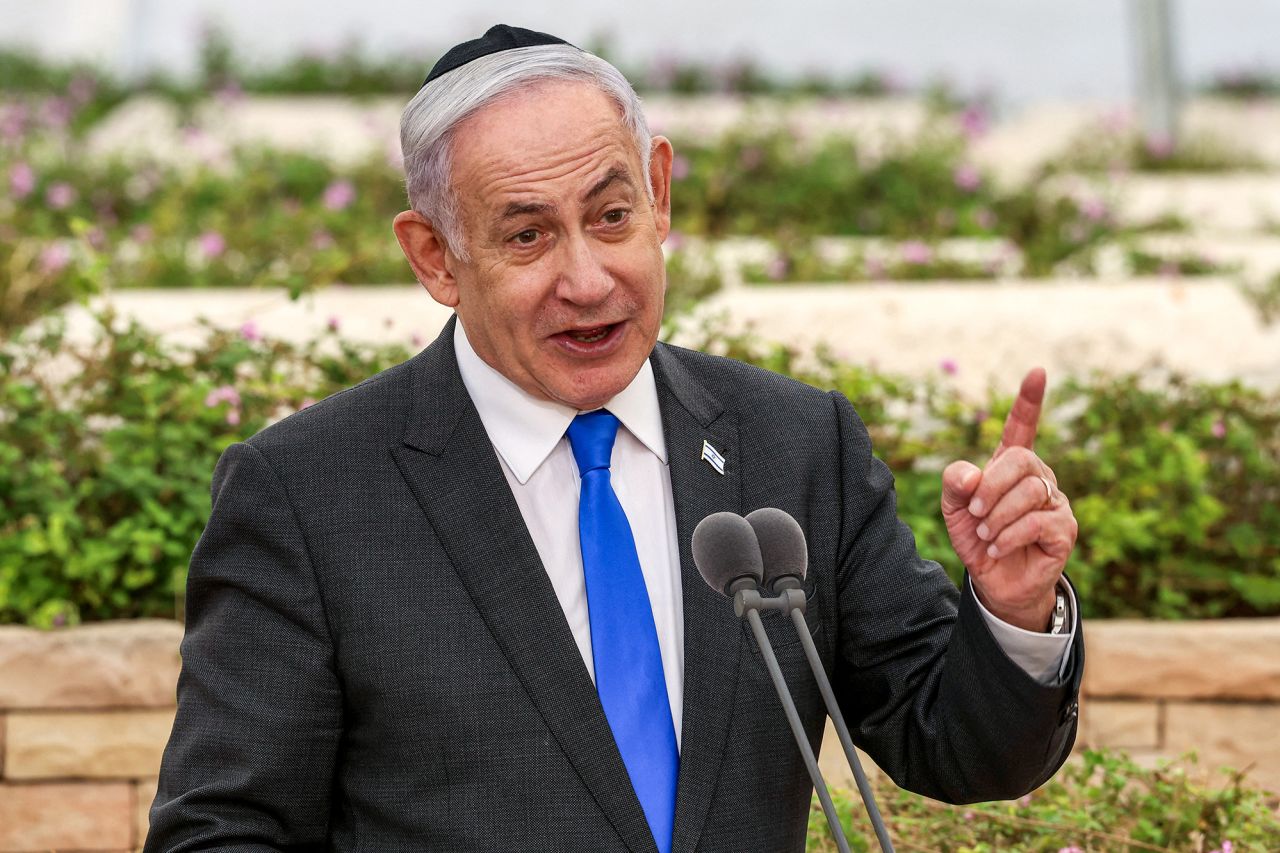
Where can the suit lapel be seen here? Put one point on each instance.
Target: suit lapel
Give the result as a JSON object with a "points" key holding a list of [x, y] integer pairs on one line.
{"points": [[455, 475], [712, 633]]}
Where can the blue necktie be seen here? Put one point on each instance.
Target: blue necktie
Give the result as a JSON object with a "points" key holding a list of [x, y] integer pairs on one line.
{"points": [[624, 641]]}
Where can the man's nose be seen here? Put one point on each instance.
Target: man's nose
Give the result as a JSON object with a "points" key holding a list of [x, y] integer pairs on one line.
{"points": [[584, 279]]}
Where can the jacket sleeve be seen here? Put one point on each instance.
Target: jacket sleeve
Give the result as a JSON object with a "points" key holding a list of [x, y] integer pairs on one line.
{"points": [[249, 764], [926, 688]]}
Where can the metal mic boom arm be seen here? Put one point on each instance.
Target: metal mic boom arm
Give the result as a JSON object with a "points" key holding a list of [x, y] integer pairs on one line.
{"points": [[749, 603]]}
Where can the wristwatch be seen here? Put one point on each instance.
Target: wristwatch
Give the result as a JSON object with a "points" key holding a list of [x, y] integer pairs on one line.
{"points": [[1059, 621]]}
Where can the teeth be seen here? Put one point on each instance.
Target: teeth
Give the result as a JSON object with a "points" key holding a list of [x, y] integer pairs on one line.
{"points": [[590, 337]]}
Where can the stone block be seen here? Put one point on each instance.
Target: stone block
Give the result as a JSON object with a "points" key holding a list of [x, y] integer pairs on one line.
{"points": [[66, 816], [131, 663], [85, 744], [145, 795], [1240, 736], [1124, 725], [1219, 659]]}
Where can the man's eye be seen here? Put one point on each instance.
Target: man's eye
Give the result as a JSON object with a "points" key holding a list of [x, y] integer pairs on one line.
{"points": [[526, 237], [616, 216]]}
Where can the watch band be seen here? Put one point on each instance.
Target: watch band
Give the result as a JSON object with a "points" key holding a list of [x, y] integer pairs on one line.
{"points": [[1058, 621]]}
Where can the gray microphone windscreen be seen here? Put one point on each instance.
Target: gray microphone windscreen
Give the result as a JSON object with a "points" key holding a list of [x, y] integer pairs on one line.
{"points": [[782, 544], [725, 550]]}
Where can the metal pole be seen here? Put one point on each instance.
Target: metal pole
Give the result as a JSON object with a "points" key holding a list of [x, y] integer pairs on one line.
{"points": [[1157, 74]]}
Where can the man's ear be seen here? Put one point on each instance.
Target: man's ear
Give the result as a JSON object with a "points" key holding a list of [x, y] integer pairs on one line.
{"points": [[428, 255], [660, 157]]}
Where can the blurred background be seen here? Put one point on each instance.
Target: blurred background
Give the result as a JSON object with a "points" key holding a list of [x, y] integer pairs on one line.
{"points": [[911, 202]]}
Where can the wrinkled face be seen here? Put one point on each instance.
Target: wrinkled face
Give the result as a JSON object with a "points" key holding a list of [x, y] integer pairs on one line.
{"points": [[563, 289]]}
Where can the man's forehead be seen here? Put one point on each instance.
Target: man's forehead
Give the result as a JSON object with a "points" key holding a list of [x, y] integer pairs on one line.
{"points": [[566, 138]]}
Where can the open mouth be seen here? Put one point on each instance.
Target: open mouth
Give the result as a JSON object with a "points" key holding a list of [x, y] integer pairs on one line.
{"points": [[591, 341], [590, 336]]}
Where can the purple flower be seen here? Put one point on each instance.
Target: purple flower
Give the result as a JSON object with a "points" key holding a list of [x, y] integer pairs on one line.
{"points": [[675, 240], [1094, 209], [233, 417], [334, 323], [984, 218], [60, 196], [250, 331], [212, 244], [1219, 428], [339, 195], [321, 240], [22, 180], [679, 168], [1159, 146], [307, 402], [915, 252], [1071, 849], [55, 257], [415, 339], [13, 122], [59, 620], [97, 238], [973, 121], [141, 233], [57, 112], [967, 177], [968, 814], [949, 366], [222, 394], [874, 267], [1024, 800]]}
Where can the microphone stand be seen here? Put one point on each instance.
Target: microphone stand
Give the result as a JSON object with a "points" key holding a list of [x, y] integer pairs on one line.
{"points": [[748, 603], [792, 599]]}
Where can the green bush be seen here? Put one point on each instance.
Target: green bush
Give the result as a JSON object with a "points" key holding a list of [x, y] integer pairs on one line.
{"points": [[1103, 802], [1175, 483], [106, 452], [107, 448]]}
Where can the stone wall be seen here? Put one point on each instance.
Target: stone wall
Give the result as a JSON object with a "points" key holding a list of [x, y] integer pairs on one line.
{"points": [[85, 713]]}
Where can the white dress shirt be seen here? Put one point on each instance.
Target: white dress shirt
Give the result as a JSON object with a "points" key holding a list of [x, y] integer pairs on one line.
{"points": [[529, 437]]}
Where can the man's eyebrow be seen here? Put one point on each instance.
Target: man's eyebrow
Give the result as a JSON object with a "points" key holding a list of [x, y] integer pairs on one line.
{"points": [[517, 208], [615, 173]]}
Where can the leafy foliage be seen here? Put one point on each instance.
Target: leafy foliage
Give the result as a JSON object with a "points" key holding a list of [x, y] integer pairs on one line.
{"points": [[107, 447], [1101, 802], [1175, 483]]}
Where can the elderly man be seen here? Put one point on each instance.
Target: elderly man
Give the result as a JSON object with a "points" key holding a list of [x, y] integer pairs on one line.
{"points": [[454, 608]]}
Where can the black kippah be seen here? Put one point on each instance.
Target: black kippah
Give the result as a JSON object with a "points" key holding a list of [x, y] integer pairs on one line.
{"points": [[499, 38]]}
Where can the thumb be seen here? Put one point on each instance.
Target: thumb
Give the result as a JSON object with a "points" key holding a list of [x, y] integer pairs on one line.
{"points": [[960, 480]]}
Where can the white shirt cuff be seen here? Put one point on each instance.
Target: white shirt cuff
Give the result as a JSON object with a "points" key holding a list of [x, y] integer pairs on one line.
{"points": [[1042, 656]]}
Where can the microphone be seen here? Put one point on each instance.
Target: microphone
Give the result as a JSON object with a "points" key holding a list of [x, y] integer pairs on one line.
{"points": [[786, 560], [727, 554]]}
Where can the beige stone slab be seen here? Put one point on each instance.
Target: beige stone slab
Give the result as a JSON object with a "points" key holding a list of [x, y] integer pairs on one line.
{"points": [[65, 816], [1217, 659], [1240, 736], [144, 794], [1204, 327], [1124, 725], [85, 745], [110, 664]]}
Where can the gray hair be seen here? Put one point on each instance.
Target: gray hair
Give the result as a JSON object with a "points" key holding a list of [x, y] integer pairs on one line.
{"points": [[429, 121]]}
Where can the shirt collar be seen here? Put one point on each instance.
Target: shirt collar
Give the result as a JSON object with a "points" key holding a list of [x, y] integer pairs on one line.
{"points": [[524, 429]]}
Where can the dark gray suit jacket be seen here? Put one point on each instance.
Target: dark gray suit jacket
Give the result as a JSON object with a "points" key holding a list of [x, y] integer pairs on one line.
{"points": [[375, 659]]}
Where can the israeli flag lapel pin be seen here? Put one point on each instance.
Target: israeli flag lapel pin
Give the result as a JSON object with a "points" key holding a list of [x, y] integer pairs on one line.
{"points": [[712, 457]]}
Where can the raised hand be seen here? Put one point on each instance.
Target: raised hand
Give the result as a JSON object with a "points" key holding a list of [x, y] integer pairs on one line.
{"points": [[1009, 523]]}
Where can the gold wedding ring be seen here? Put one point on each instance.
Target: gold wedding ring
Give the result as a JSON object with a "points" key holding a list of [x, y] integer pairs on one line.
{"points": [[1048, 492]]}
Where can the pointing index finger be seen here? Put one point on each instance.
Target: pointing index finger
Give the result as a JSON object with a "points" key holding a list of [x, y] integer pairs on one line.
{"points": [[1024, 417]]}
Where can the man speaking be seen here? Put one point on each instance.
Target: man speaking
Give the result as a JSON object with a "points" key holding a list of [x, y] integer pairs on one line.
{"points": [[454, 608]]}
